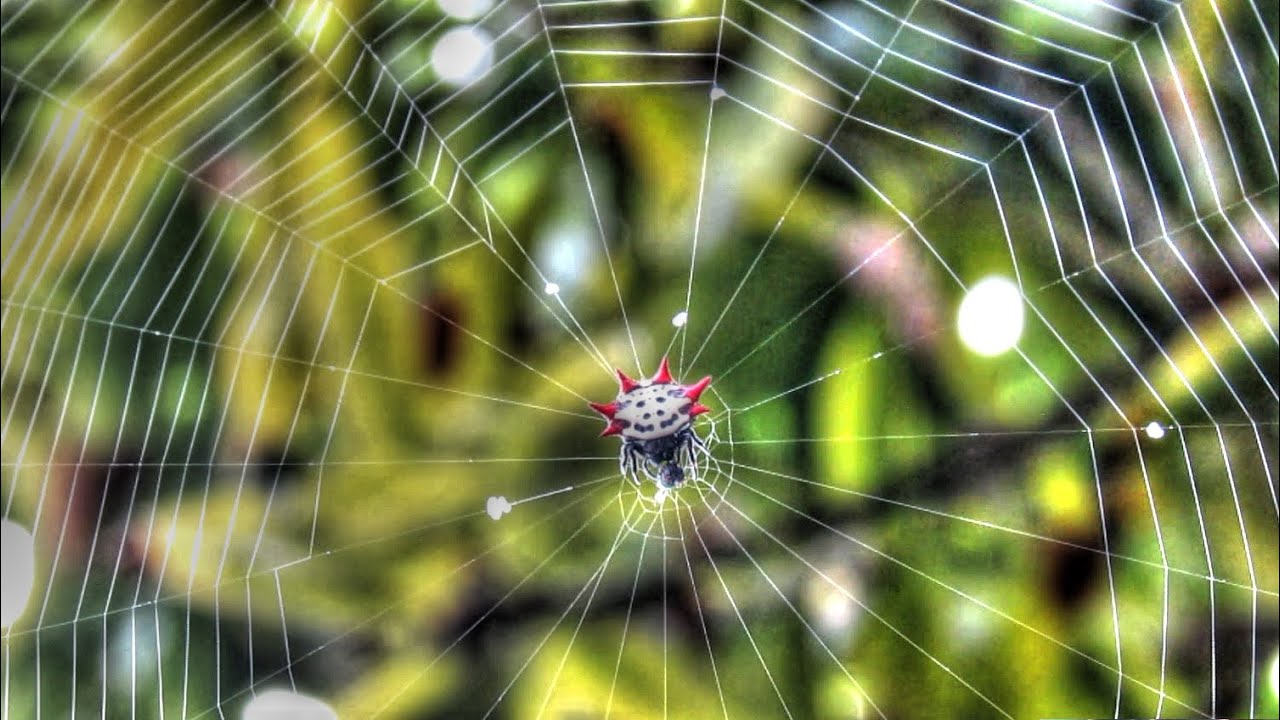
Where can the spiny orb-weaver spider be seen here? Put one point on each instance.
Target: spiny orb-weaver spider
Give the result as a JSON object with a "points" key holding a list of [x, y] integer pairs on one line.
{"points": [[654, 418]]}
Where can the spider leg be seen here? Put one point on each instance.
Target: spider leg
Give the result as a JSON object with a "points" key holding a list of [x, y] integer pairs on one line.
{"points": [[629, 461], [696, 441], [687, 445], [624, 461]]}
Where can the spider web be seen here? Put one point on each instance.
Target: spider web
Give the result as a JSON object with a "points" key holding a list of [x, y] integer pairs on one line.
{"points": [[298, 340]]}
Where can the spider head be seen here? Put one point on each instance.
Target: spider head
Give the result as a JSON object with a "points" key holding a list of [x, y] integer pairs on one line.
{"points": [[670, 475]]}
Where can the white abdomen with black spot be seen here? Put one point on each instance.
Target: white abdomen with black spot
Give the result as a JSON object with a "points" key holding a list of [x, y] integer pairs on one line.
{"points": [[653, 411]]}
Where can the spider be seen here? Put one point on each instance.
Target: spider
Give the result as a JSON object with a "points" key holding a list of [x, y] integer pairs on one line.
{"points": [[654, 417]]}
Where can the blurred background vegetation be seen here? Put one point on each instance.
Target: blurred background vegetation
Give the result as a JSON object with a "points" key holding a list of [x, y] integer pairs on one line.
{"points": [[276, 328]]}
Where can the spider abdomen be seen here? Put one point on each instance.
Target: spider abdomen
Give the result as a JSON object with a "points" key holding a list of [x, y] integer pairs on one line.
{"points": [[653, 411]]}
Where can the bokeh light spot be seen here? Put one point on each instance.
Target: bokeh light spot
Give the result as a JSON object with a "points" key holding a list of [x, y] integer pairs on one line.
{"points": [[17, 570], [991, 315], [1274, 672], [286, 705], [461, 55], [465, 9]]}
